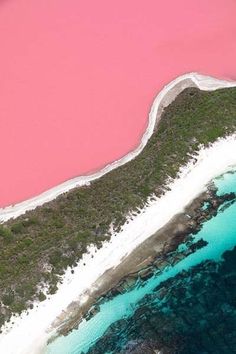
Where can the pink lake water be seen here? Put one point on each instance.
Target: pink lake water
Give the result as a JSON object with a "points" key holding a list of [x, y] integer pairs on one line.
{"points": [[77, 79]]}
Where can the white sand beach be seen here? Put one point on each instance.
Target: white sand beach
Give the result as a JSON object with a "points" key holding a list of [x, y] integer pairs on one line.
{"points": [[30, 332]]}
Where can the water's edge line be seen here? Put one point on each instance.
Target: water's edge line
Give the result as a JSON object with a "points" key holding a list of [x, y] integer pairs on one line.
{"points": [[164, 98]]}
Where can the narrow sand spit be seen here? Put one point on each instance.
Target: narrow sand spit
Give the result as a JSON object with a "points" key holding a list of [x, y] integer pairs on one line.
{"points": [[29, 333], [165, 97]]}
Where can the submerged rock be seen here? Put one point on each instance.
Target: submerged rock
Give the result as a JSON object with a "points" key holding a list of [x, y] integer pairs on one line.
{"points": [[192, 313]]}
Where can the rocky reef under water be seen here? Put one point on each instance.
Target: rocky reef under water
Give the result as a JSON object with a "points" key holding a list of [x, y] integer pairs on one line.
{"points": [[193, 312], [175, 294]]}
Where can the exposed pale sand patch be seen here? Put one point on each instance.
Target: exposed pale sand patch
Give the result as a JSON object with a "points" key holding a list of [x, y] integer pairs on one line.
{"points": [[165, 97], [30, 332]]}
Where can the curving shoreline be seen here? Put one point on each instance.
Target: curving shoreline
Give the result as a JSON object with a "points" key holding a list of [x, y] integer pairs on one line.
{"points": [[163, 99], [192, 180]]}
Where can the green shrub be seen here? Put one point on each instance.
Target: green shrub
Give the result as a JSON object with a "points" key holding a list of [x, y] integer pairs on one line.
{"points": [[8, 298], [17, 228], [18, 307], [41, 296], [5, 233]]}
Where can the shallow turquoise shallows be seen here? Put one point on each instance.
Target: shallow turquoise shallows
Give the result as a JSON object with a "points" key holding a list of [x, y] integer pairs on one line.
{"points": [[220, 234]]}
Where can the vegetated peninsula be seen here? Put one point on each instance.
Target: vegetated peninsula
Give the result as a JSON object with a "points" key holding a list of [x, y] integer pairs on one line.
{"points": [[37, 247]]}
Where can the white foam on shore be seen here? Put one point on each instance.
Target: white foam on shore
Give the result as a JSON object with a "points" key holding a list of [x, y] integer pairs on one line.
{"points": [[30, 332], [166, 95]]}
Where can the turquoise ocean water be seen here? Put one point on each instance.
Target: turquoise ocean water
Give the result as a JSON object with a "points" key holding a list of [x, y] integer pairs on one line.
{"points": [[220, 236]]}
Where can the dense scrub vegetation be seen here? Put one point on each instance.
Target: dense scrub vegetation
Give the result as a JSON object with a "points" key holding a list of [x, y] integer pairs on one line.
{"points": [[37, 247]]}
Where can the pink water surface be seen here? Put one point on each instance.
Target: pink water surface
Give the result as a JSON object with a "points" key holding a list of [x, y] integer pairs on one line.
{"points": [[77, 78]]}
